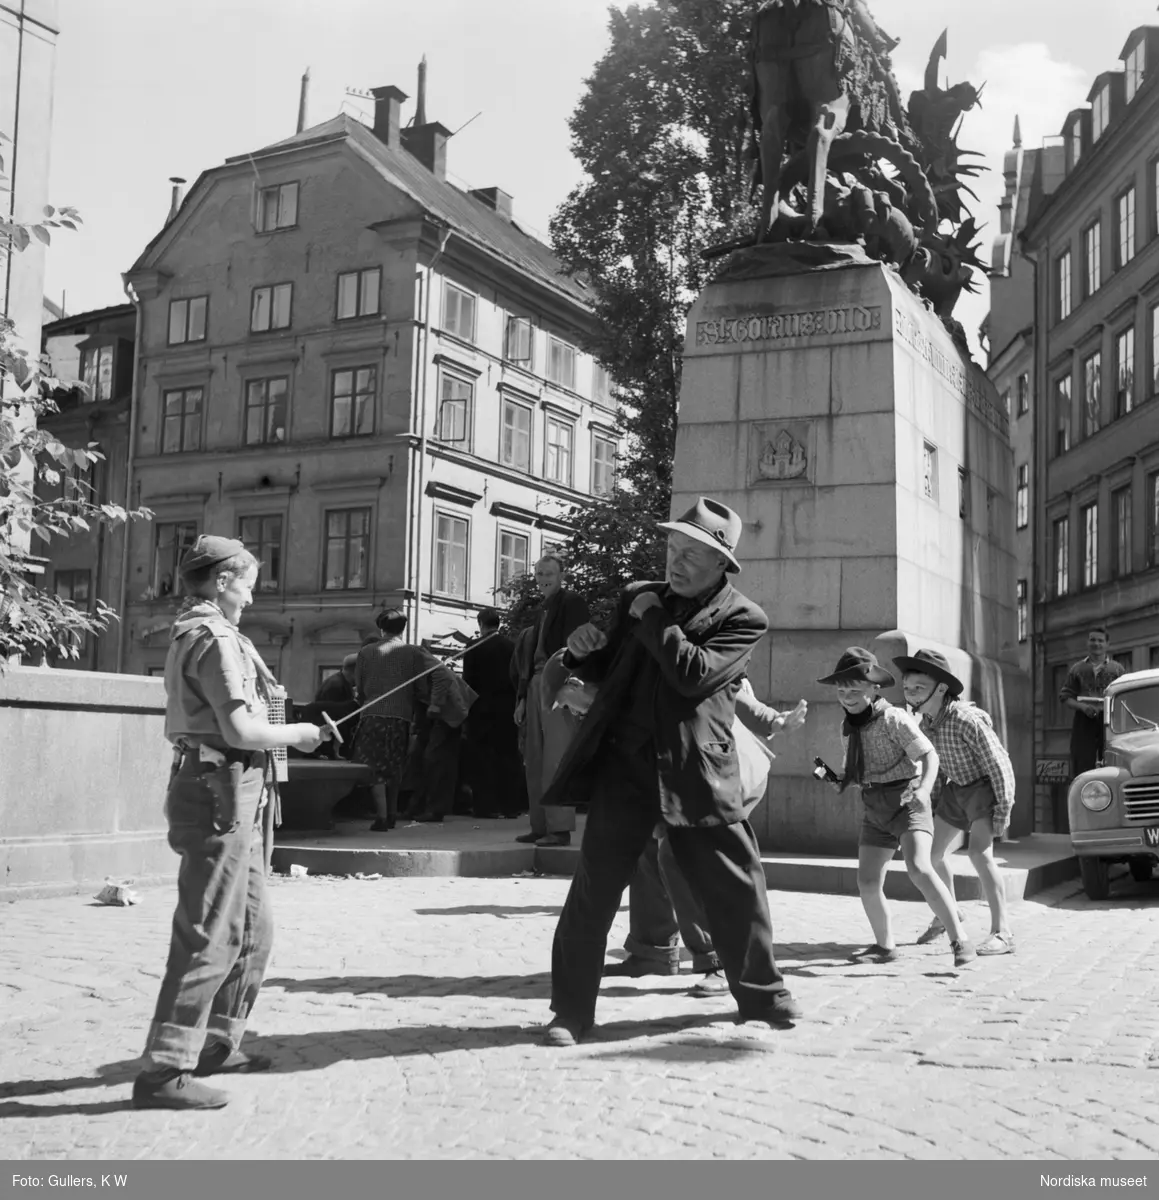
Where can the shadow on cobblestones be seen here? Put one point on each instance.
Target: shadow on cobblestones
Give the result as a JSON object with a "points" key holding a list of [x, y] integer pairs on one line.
{"points": [[110, 1075], [16, 1109], [525, 986], [493, 910]]}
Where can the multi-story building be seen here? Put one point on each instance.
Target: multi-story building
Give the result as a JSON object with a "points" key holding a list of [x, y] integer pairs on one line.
{"points": [[91, 357], [371, 376], [1094, 245]]}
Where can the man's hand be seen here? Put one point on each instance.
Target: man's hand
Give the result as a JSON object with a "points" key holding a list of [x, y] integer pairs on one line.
{"points": [[1095, 711], [585, 640], [795, 718], [643, 602], [520, 711]]}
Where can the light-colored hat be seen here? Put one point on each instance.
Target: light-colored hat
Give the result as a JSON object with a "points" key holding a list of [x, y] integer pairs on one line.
{"points": [[712, 523]]}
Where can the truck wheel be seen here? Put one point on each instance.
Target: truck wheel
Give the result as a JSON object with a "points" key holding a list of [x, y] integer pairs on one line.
{"points": [[1095, 874], [1140, 869]]}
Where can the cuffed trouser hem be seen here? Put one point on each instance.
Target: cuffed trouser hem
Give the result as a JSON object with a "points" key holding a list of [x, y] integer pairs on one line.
{"points": [[226, 1029], [176, 1046], [703, 963], [657, 954]]}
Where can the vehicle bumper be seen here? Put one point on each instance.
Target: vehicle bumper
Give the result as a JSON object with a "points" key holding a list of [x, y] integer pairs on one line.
{"points": [[1111, 843]]}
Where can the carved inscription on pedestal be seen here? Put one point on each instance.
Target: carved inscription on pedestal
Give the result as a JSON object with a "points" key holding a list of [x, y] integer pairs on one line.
{"points": [[781, 452], [757, 328]]}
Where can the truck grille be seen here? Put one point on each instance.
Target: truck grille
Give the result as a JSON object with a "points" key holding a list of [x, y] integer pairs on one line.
{"points": [[1141, 801]]}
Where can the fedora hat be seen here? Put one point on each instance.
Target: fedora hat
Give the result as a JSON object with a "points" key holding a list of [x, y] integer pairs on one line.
{"points": [[858, 663], [712, 523], [933, 664]]}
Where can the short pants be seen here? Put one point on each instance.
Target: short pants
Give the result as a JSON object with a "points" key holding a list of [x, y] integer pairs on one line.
{"points": [[886, 819], [962, 804]]}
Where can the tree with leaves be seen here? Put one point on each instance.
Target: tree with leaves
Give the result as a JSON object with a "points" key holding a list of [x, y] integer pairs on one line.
{"points": [[41, 492], [660, 133]]}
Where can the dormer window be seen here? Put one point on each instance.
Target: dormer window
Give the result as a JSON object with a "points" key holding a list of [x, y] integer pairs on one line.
{"points": [[1100, 112], [1135, 64], [1076, 141], [96, 369]]}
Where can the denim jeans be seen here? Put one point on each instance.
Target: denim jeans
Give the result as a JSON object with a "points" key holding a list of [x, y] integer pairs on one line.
{"points": [[665, 910], [222, 927], [721, 861]]}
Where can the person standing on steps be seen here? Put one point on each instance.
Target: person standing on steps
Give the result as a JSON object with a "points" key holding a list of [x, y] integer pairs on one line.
{"points": [[974, 793], [217, 696], [548, 730], [1082, 692]]}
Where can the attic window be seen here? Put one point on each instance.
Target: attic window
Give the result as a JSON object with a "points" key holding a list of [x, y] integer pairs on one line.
{"points": [[1076, 141], [277, 208], [1135, 64], [1101, 112]]}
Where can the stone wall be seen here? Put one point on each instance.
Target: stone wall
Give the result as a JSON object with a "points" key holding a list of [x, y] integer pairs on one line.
{"points": [[83, 784]]}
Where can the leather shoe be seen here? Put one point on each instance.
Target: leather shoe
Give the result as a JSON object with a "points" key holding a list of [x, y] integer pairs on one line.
{"points": [[528, 838], [554, 839], [713, 984], [563, 1032], [634, 966], [784, 1011], [178, 1091], [220, 1060]]}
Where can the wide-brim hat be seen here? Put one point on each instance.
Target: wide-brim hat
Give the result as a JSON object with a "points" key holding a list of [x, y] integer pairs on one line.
{"points": [[712, 523], [933, 664], [858, 663], [208, 551]]}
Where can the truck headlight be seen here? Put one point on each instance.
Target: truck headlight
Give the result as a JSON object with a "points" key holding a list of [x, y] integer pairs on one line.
{"points": [[1095, 795]]}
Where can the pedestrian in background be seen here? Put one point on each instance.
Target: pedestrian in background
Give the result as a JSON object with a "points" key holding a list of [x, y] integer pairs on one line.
{"points": [[495, 769], [339, 687], [1082, 692], [444, 702], [218, 694]]}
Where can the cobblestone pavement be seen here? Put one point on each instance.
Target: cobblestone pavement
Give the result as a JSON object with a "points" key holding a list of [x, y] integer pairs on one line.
{"points": [[403, 1017]]}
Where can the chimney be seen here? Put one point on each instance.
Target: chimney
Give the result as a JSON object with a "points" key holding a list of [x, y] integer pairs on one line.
{"points": [[302, 100], [428, 143], [421, 103], [178, 195], [494, 198], [387, 122]]}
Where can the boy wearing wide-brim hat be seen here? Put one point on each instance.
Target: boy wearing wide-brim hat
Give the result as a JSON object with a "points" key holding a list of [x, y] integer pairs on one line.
{"points": [[895, 765], [975, 789]]}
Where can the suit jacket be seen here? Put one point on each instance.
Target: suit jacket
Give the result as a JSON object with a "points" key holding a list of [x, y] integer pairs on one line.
{"points": [[557, 620], [487, 669], [456, 701], [701, 659]]}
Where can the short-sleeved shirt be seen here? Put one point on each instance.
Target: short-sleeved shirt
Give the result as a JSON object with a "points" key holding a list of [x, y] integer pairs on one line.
{"points": [[891, 745], [210, 668]]}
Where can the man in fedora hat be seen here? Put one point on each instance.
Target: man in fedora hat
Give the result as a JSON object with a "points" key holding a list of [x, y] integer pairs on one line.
{"points": [[894, 765], [974, 793], [657, 747]]}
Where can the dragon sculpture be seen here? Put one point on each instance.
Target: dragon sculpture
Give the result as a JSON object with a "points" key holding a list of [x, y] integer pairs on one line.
{"points": [[839, 157]]}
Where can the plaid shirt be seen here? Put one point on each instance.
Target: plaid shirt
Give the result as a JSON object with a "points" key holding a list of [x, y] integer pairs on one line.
{"points": [[969, 750], [891, 745]]}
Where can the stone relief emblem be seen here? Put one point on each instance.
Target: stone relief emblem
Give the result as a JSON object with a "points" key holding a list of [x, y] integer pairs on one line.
{"points": [[781, 456]]}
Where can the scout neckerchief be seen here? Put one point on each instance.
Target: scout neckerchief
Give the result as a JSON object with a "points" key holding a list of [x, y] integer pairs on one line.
{"points": [[851, 727]]}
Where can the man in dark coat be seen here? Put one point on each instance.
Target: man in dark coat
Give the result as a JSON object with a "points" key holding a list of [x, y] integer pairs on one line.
{"points": [[495, 771], [657, 746]]}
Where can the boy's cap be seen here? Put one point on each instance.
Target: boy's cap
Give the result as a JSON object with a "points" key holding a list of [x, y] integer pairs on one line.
{"points": [[858, 663]]}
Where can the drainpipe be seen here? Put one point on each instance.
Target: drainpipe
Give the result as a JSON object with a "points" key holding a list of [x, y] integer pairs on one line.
{"points": [[130, 455], [444, 237]]}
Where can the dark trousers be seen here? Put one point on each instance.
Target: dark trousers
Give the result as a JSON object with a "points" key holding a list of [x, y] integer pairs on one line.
{"points": [[665, 910], [441, 768], [495, 773], [1086, 743], [721, 862]]}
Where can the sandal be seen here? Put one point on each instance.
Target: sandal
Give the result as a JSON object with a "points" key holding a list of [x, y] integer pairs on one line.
{"points": [[875, 953], [997, 943]]}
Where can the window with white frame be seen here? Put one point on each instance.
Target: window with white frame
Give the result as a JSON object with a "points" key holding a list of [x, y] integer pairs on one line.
{"points": [[1125, 226], [1022, 497], [452, 534], [96, 369], [1062, 414], [1121, 546], [270, 307], [1100, 112], [519, 341], [513, 552], [359, 293], [187, 320], [1062, 285], [1076, 141], [453, 422], [559, 438], [1092, 393], [458, 312], [1125, 371], [1023, 394], [181, 420], [170, 541], [603, 464], [346, 551], [262, 537], [1061, 547], [515, 435], [1023, 605], [277, 207], [1089, 528], [930, 471], [1092, 258], [265, 411], [1134, 68], [352, 392], [601, 383], [561, 363]]}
